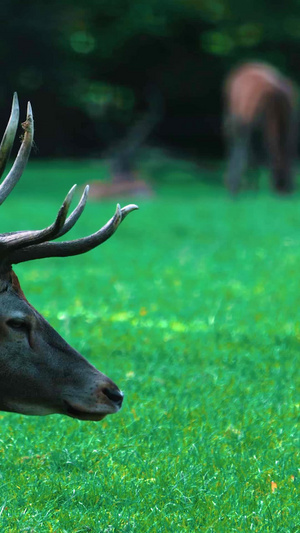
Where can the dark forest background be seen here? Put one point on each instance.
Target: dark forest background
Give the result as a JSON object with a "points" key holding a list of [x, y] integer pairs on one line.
{"points": [[91, 68]]}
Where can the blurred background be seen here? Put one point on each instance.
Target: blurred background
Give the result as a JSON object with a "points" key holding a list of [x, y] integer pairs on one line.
{"points": [[94, 69]]}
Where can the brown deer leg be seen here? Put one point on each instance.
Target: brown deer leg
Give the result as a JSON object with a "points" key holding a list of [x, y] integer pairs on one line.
{"points": [[291, 148], [238, 153], [281, 135]]}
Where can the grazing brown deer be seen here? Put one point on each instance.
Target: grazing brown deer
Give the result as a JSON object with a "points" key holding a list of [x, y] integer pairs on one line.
{"points": [[258, 96], [40, 373]]}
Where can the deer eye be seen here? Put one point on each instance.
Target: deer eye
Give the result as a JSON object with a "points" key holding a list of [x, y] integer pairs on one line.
{"points": [[17, 323]]}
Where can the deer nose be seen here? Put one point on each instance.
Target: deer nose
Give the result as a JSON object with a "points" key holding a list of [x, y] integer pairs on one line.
{"points": [[114, 396]]}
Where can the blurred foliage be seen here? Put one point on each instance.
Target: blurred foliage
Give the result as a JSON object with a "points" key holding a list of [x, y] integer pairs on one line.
{"points": [[87, 66]]}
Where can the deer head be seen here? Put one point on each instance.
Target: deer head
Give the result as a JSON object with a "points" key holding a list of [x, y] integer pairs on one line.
{"points": [[40, 373]]}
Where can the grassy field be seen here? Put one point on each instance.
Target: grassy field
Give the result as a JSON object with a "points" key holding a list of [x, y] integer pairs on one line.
{"points": [[193, 309]]}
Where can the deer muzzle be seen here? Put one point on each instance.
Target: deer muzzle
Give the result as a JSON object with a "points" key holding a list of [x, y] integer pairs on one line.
{"points": [[95, 402]]}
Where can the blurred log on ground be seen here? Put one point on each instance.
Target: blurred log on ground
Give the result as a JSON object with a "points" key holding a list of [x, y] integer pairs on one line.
{"points": [[111, 189]]}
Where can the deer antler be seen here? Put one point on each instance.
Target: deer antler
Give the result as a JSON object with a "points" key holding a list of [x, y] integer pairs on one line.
{"points": [[74, 216], [20, 162], [76, 247], [20, 246], [9, 134]]}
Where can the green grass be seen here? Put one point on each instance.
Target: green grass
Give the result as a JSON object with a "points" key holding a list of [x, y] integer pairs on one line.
{"points": [[193, 309]]}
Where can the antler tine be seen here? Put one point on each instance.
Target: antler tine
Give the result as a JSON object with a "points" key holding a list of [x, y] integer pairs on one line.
{"points": [[76, 213], [22, 239], [9, 134], [76, 247], [20, 162], [127, 209]]}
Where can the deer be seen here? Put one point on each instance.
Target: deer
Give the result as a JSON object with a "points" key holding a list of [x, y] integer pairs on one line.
{"points": [[258, 97], [40, 373]]}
